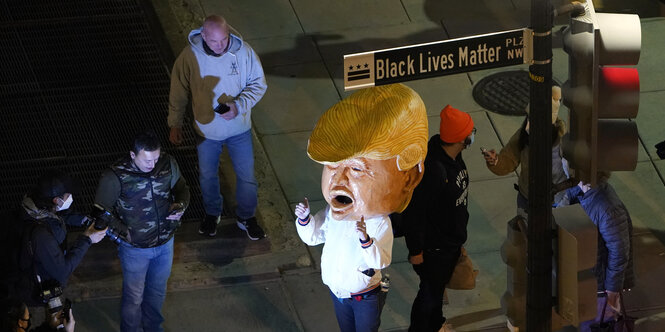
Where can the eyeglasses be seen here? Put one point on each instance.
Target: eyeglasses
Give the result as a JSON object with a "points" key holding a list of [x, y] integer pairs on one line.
{"points": [[27, 322]]}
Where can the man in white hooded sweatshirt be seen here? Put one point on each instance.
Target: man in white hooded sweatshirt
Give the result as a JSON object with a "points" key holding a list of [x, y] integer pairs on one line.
{"points": [[224, 77]]}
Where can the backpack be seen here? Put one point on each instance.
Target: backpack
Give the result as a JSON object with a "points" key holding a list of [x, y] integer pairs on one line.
{"points": [[18, 277], [397, 219]]}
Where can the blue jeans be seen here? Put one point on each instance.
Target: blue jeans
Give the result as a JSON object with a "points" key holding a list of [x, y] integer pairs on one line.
{"points": [[359, 316], [144, 275], [241, 152]]}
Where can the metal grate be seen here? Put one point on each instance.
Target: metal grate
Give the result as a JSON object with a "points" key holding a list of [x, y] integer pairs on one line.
{"points": [[18, 178], [504, 92], [20, 10], [79, 79]]}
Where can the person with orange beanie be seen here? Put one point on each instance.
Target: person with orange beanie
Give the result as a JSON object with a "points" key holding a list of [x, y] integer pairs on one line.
{"points": [[435, 220]]}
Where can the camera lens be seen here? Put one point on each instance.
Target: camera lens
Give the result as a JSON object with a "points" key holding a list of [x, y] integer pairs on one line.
{"points": [[113, 236]]}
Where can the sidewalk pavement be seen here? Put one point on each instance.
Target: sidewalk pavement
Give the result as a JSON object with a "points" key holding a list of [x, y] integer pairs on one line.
{"points": [[273, 287]]}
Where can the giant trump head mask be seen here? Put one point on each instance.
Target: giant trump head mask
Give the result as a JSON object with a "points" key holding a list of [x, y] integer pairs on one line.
{"points": [[372, 145]]}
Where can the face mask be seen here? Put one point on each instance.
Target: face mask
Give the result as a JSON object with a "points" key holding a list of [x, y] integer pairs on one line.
{"points": [[470, 140], [66, 204]]}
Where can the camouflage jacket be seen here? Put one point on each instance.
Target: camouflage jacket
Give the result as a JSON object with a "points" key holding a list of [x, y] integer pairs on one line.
{"points": [[142, 200]]}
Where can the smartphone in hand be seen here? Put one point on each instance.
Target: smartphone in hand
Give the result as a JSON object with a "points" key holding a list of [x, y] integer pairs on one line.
{"points": [[222, 108], [65, 310], [176, 211]]}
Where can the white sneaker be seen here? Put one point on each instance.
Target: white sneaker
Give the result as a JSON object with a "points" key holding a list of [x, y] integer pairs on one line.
{"points": [[447, 328]]}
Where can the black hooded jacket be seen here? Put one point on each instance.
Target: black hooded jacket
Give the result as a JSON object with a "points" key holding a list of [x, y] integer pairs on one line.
{"points": [[437, 215], [53, 260]]}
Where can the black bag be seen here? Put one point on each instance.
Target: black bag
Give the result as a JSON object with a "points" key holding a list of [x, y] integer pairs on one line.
{"points": [[623, 323], [18, 278]]}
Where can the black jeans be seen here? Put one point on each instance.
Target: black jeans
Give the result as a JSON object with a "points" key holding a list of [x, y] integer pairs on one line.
{"points": [[434, 273]]}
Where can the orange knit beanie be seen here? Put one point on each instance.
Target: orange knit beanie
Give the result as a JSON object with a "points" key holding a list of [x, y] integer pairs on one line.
{"points": [[455, 125]]}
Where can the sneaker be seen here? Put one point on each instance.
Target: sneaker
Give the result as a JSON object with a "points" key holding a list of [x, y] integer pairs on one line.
{"points": [[208, 225], [447, 328], [252, 228]]}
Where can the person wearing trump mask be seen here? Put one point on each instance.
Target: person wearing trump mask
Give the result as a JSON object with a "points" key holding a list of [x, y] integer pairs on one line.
{"points": [[372, 146]]}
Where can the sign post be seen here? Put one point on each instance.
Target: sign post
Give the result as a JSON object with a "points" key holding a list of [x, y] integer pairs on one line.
{"points": [[414, 62], [539, 230]]}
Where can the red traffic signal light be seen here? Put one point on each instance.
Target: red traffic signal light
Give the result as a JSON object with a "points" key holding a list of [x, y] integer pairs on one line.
{"points": [[601, 99]]}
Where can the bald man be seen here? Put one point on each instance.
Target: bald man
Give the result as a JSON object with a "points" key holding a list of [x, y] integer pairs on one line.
{"points": [[225, 79]]}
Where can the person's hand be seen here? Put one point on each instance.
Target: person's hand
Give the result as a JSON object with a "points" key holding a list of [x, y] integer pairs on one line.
{"points": [[94, 234], [232, 113], [176, 211], [613, 300], [416, 259], [56, 320], [490, 157], [70, 322], [175, 136], [361, 228], [302, 210]]}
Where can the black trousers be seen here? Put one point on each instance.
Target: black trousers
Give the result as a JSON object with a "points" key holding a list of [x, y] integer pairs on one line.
{"points": [[434, 273]]}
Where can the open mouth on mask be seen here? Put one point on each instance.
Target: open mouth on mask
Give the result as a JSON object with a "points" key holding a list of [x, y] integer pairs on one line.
{"points": [[343, 199], [340, 201]]}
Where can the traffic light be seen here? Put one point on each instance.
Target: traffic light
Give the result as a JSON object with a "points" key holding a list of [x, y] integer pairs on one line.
{"points": [[576, 284], [601, 98]]}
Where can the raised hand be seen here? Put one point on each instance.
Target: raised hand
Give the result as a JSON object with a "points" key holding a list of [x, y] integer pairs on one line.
{"points": [[302, 209], [361, 228]]}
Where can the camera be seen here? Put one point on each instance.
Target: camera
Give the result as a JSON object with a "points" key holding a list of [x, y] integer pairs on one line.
{"points": [[102, 218], [50, 293], [222, 108]]}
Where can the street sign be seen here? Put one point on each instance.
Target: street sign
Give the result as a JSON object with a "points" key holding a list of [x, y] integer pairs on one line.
{"points": [[414, 62]]}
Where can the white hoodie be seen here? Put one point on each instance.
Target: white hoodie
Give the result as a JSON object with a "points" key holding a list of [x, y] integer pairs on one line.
{"points": [[235, 76], [344, 257]]}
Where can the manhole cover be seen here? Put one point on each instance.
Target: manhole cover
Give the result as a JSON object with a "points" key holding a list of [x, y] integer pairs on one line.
{"points": [[504, 93]]}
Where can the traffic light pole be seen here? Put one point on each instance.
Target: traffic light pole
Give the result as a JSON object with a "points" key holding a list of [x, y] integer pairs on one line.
{"points": [[539, 231]]}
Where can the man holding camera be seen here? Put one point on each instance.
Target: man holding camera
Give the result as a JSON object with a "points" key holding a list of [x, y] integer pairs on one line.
{"points": [[225, 79], [147, 192], [41, 239]]}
